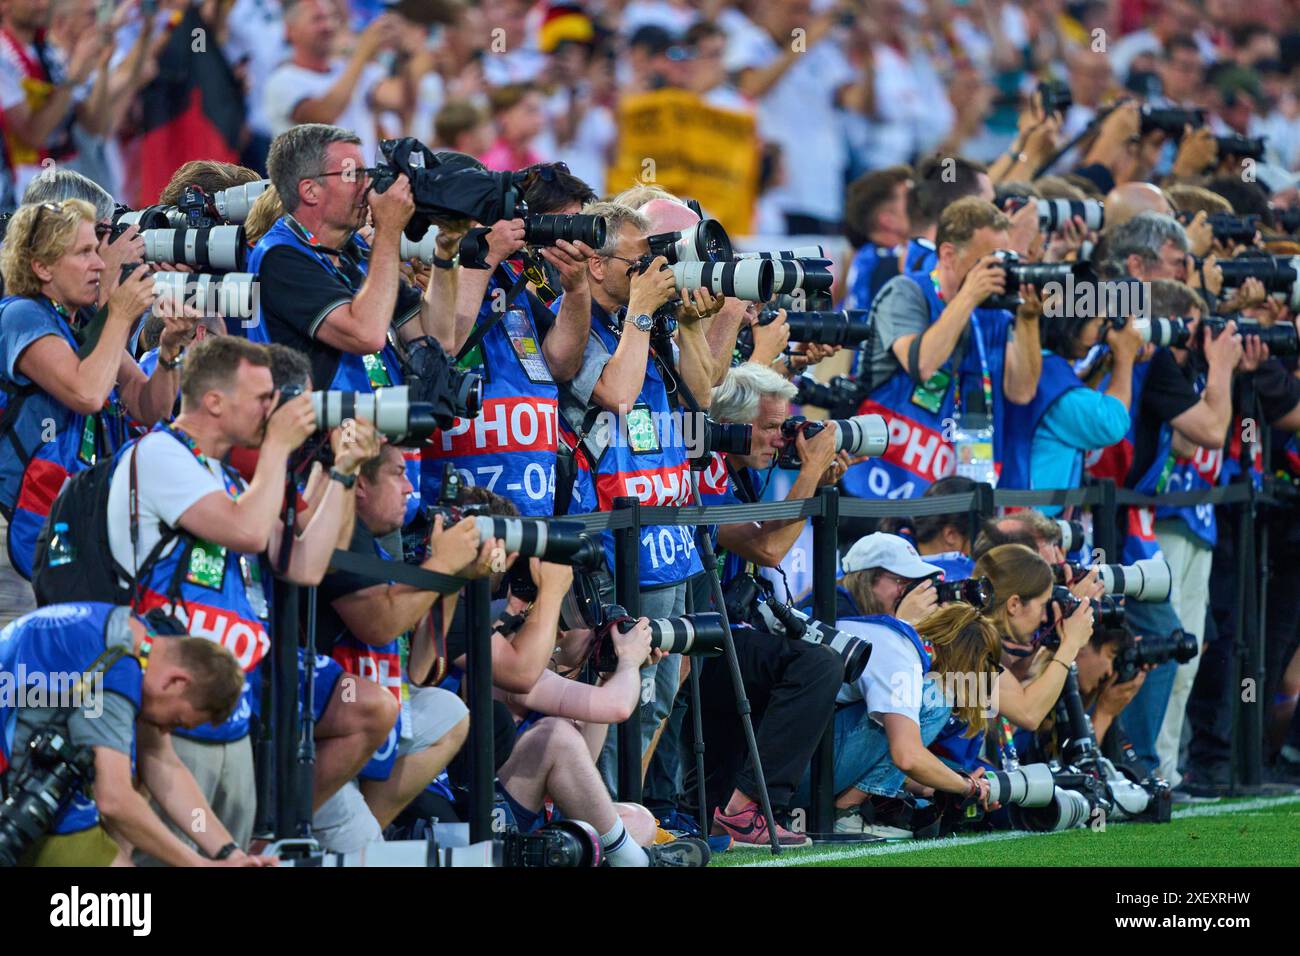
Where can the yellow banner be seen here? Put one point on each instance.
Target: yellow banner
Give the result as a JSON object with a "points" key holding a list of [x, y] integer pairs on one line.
{"points": [[673, 139]]}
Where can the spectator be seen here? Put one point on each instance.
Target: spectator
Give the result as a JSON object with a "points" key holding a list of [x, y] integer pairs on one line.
{"points": [[461, 126], [315, 86], [41, 94], [518, 113], [256, 44]]}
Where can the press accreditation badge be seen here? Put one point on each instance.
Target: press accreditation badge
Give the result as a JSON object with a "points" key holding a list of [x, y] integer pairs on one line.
{"points": [[251, 570], [207, 565], [929, 394], [524, 342], [641, 437], [376, 370], [973, 451]]}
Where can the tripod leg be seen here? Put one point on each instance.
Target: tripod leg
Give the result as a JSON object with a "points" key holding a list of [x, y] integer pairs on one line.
{"points": [[697, 726]]}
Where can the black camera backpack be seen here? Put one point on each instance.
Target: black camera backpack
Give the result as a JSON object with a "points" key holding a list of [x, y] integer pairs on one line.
{"points": [[94, 575]]}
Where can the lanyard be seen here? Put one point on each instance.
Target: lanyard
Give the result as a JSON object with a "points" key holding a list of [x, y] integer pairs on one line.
{"points": [[314, 244], [232, 488], [986, 377]]}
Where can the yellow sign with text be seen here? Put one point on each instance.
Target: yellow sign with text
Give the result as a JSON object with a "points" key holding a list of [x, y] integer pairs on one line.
{"points": [[673, 139]]}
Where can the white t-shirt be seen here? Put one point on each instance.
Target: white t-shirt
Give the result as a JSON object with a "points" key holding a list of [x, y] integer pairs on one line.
{"points": [[257, 32], [13, 93], [170, 480], [800, 115], [290, 84], [892, 681]]}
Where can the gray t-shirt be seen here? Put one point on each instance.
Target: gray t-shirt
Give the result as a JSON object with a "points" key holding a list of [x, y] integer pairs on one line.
{"points": [[899, 309], [102, 720]]}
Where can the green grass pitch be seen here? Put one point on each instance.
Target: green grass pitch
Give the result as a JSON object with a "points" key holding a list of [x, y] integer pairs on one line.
{"points": [[1244, 832]]}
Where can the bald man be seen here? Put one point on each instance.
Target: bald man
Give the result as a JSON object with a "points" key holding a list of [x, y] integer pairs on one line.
{"points": [[1128, 199]]}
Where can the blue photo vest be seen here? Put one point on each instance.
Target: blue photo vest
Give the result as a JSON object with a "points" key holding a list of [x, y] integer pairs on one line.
{"points": [[650, 466], [956, 566], [921, 256], [46, 445], [62, 640], [904, 630], [716, 488], [1022, 421], [509, 447], [223, 596], [919, 452], [383, 665]]}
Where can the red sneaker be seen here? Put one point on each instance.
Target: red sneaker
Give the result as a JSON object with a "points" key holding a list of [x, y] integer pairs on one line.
{"points": [[748, 828]]}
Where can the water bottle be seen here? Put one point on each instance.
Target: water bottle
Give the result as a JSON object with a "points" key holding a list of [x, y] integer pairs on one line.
{"points": [[62, 550]]}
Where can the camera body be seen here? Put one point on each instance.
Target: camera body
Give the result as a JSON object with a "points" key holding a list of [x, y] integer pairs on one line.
{"points": [[697, 635], [861, 435], [55, 770]]}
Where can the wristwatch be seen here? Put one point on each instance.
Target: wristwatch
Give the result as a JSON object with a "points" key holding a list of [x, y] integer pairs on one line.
{"points": [[174, 364], [347, 481], [226, 851], [440, 263], [643, 322]]}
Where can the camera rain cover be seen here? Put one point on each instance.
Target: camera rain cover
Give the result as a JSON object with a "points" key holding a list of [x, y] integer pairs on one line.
{"points": [[451, 185]]}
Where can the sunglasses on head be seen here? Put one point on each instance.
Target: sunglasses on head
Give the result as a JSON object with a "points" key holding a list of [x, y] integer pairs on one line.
{"points": [[44, 207]]}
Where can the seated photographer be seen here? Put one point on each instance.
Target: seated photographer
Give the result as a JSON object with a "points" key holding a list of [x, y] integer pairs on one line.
{"points": [[1022, 593], [939, 358], [1029, 527], [66, 405], [881, 572], [944, 540], [123, 722], [193, 511], [1048, 438], [561, 727], [753, 395], [889, 716], [322, 289], [621, 404], [364, 626], [510, 446]]}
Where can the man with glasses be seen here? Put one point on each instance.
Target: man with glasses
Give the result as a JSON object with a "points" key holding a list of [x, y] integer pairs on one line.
{"points": [[322, 289]]}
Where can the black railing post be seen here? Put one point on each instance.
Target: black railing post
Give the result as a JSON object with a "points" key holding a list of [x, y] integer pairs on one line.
{"points": [[627, 591], [1105, 531], [284, 706], [825, 567], [982, 507], [1251, 644], [478, 675]]}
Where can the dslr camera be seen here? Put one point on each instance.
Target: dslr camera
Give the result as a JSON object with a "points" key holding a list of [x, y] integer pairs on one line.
{"points": [[861, 436]]}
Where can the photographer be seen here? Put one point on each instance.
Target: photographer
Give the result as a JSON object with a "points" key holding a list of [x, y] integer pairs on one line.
{"points": [[510, 446], [66, 404], [364, 626], [891, 714], [624, 375], [938, 185], [322, 289], [944, 540], [791, 684], [125, 714], [757, 396], [879, 573], [1048, 438], [1022, 605], [876, 224], [938, 359], [561, 726], [193, 535]]}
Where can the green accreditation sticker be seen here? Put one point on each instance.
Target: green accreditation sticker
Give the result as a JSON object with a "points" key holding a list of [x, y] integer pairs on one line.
{"points": [[929, 395], [474, 359], [87, 451], [376, 371], [641, 430], [207, 565]]}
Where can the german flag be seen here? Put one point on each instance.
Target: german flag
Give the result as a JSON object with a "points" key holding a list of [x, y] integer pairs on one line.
{"points": [[193, 109]]}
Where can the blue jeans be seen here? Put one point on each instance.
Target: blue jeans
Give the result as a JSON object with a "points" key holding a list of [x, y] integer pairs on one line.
{"points": [[1145, 712], [862, 748]]}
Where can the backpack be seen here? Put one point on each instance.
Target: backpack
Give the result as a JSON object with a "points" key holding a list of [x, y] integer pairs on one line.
{"points": [[94, 575]]}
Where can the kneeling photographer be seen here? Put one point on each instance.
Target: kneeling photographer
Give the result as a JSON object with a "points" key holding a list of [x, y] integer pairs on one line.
{"points": [[914, 679], [102, 686]]}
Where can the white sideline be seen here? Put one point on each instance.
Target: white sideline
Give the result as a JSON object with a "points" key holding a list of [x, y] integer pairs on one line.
{"points": [[888, 849]]}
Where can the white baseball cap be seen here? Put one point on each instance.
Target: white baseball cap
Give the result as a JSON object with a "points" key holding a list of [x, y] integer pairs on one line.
{"points": [[888, 551]]}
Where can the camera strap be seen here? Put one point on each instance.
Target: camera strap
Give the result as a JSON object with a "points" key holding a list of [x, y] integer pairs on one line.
{"points": [[480, 331]]}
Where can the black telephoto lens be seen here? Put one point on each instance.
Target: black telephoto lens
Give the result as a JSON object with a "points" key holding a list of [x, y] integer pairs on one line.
{"points": [[546, 230]]}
